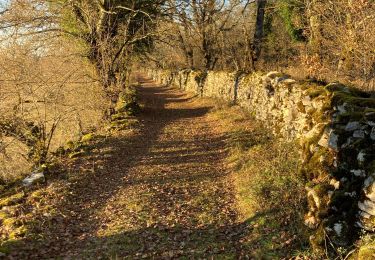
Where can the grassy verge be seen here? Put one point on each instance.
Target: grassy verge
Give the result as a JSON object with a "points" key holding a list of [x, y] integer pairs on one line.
{"points": [[270, 193], [24, 210]]}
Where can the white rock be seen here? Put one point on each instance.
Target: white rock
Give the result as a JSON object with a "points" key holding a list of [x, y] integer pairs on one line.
{"points": [[335, 183], [318, 104], [335, 163], [289, 81], [35, 177], [343, 179], [306, 101], [359, 224], [351, 126], [369, 181], [348, 142], [369, 188], [325, 138], [351, 194], [370, 193], [367, 206], [372, 134], [311, 222], [365, 215], [359, 134], [333, 141], [313, 148], [338, 228], [359, 173], [361, 156], [342, 108], [314, 131], [312, 193]]}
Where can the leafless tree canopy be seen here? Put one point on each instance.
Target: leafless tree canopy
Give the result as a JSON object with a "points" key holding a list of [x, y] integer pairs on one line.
{"points": [[327, 39]]}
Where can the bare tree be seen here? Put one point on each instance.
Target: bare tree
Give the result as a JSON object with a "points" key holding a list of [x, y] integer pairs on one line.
{"points": [[201, 24], [112, 30], [46, 89], [258, 35]]}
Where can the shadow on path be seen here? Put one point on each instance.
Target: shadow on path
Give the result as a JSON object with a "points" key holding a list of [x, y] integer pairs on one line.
{"points": [[170, 168]]}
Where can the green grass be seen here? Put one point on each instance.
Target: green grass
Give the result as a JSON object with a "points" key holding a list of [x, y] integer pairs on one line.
{"points": [[269, 189]]}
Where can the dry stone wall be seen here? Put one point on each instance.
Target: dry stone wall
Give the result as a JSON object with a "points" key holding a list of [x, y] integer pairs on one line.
{"points": [[335, 127]]}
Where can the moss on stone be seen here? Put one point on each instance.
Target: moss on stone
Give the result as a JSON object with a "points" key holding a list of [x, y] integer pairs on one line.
{"points": [[309, 85], [69, 146], [370, 167], [336, 86], [341, 97], [314, 169], [350, 116], [310, 140], [367, 251], [127, 102], [316, 92], [321, 189], [200, 77], [87, 138], [318, 239]]}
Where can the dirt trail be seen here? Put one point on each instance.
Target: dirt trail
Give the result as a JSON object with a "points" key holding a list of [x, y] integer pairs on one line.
{"points": [[159, 192]]}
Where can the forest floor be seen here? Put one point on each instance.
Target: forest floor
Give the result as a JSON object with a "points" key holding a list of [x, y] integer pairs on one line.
{"points": [[160, 189]]}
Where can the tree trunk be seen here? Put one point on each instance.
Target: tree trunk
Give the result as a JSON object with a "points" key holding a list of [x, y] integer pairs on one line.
{"points": [[188, 52], [315, 41], [248, 61], [259, 25]]}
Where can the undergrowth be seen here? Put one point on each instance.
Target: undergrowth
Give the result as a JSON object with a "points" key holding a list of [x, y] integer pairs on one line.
{"points": [[20, 207], [270, 192]]}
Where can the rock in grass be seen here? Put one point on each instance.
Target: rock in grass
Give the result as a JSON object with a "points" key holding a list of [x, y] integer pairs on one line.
{"points": [[34, 178]]}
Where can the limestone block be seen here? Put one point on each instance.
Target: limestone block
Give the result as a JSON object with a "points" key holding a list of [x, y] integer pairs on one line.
{"points": [[372, 134], [352, 126], [333, 141], [359, 134], [34, 178]]}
